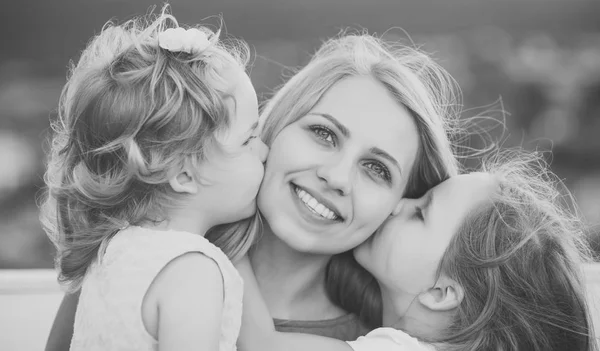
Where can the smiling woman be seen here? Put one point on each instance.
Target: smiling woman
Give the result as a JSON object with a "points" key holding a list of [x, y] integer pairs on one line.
{"points": [[361, 126]]}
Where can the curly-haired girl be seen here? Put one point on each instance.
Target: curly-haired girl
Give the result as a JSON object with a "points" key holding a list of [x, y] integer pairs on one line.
{"points": [[155, 143]]}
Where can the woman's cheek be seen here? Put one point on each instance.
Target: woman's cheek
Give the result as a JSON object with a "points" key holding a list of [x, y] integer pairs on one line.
{"points": [[293, 149], [375, 204]]}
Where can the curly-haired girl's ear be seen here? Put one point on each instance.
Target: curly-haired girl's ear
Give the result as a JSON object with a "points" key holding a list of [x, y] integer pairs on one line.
{"points": [[184, 182]]}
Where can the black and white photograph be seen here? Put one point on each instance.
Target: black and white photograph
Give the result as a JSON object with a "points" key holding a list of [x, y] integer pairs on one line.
{"points": [[267, 175]]}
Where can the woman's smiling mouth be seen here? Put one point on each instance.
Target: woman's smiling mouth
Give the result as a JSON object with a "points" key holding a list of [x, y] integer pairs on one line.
{"points": [[315, 206]]}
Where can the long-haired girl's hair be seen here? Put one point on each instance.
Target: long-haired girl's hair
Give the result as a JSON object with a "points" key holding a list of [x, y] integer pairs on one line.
{"points": [[131, 115], [417, 83], [520, 263]]}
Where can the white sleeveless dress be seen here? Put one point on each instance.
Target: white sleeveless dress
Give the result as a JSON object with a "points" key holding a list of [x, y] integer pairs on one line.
{"points": [[109, 314]]}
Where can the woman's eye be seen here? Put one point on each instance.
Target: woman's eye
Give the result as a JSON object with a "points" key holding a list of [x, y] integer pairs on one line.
{"points": [[249, 140], [324, 134], [379, 170], [419, 214]]}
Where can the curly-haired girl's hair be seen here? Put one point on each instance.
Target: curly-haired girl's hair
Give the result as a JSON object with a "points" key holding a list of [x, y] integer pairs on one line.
{"points": [[131, 115]]}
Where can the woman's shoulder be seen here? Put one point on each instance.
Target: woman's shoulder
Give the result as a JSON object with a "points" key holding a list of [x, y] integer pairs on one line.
{"points": [[346, 327], [389, 339]]}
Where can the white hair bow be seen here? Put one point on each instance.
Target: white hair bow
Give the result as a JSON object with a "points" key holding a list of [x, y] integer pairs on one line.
{"points": [[192, 41]]}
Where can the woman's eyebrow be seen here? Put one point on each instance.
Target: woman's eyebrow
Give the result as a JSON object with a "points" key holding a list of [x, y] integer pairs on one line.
{"points": [[343, 129]]}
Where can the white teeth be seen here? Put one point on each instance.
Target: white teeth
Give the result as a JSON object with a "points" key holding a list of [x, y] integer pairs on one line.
{"points": [[315, 205], [320, 208]]}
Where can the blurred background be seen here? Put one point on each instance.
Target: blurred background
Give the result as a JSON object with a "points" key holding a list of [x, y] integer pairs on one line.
{"points": [[540, 57]]}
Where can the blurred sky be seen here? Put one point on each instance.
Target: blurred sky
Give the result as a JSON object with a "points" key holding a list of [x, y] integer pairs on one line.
{"points": [[53, 31], [540, 57]]}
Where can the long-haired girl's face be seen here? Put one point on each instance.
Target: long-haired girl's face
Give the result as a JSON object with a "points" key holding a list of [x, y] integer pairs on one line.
{"points": [[234, 176], [406, 250], [334, 175]]}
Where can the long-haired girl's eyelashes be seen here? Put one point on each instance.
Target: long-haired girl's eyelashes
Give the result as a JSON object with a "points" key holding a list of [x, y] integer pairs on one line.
{"points": [[419, 214], [324, 133], [249, 140], [379, 170]]}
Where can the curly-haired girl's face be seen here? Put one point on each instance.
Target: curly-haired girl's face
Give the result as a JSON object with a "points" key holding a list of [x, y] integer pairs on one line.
{"points": [[232, 178]]}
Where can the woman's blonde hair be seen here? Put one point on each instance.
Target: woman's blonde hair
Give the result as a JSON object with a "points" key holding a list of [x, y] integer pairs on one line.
{"points": [[131, 115], [418, 84], [519, 262]]}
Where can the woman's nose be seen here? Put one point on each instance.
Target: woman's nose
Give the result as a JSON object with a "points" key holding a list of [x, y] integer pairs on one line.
{"points": [[338, 175]]}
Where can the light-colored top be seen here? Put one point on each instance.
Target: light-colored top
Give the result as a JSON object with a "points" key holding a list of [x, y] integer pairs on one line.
{"points": [[109, 314], [388, 339]]}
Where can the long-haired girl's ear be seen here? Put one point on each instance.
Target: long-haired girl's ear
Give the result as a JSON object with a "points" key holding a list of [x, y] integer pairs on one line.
{"points": [[184, 182], [446, 295]]}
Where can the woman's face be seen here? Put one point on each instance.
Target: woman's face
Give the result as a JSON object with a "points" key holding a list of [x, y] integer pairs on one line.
{"points": [[333, 176], [405, 252]]}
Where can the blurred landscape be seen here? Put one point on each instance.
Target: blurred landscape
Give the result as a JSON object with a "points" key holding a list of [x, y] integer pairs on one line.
{"points": [[539, 58]]}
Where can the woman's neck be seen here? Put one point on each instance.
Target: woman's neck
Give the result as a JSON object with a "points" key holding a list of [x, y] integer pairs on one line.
{"points": [[292, 282], [395, 306]]}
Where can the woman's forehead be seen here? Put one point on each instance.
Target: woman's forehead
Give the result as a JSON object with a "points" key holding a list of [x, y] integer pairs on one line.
{"points": [[370, 114]]}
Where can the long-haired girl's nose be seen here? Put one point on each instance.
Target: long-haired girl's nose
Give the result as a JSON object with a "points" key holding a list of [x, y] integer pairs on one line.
{"points": [[399, 207], [263, 151], [406, 205]]}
